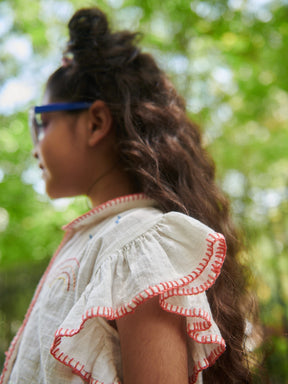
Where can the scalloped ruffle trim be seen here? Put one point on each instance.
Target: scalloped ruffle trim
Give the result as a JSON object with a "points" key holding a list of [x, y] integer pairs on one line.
{"points": [[216, 250]]}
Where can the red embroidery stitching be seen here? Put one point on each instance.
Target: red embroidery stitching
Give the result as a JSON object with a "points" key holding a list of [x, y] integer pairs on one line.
{"points": [[65, 271], [166, 290], [10, 351], [214, 355], [216, 247], [108, 204]]}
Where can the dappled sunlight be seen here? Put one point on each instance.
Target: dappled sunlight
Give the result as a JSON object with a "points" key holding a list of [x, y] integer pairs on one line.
{"points": [[229, 61]]}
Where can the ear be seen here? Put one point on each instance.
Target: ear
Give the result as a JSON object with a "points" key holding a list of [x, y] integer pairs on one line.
{"points": [[100, 122]]}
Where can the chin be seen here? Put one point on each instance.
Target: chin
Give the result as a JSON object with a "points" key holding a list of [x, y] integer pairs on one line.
{"points": [[60, 194], [54, 196]]}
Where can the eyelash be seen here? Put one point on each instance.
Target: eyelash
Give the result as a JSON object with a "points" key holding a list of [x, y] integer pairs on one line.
{"points": [[44, 124]]}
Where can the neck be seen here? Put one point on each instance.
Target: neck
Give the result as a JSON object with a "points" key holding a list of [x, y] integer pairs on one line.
{"points": [[112, 183]]}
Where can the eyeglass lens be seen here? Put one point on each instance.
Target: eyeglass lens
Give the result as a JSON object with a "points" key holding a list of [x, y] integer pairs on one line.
{"points": [[36, 127]]}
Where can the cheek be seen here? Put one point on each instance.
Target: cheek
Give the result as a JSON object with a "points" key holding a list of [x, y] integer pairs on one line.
{"points": [[67, 165], [47, 155], [53, 149]]}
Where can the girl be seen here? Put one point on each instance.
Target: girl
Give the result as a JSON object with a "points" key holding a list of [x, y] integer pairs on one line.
{"points": [[131, 294]]}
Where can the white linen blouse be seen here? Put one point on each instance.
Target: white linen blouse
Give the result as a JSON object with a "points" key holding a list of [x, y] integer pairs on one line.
{"points": [[111, 260]]}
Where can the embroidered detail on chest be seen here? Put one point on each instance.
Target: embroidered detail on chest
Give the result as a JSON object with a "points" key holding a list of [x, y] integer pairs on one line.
{"points": [[66, 272]]}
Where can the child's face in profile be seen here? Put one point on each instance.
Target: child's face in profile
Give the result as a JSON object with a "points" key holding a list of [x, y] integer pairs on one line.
{"points": [[62, 153]]}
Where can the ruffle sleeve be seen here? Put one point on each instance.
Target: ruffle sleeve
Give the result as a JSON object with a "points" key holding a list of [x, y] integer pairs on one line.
{"points": [[178, 259]]}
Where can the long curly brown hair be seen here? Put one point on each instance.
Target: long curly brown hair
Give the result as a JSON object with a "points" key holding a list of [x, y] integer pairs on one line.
{"points": [[160, 148]]}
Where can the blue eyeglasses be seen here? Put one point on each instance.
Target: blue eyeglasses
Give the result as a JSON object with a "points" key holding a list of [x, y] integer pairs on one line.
{"points": [[37, 127]]}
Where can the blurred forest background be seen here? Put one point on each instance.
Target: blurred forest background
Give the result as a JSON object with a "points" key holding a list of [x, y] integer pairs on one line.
{"points": [[229, 59]]}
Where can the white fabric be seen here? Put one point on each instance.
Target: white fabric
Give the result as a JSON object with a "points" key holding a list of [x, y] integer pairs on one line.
{"points": [[112, 259]]}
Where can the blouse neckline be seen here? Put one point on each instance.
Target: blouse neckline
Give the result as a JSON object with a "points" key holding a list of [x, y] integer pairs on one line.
{"points": [[110, 208]]}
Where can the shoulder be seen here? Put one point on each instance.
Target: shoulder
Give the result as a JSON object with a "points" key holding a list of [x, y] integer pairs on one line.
{"points": [[146, 248], [144, 254], [156, 237], [136, 224]]}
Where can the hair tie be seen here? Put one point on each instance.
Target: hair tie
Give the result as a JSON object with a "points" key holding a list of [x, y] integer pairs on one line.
{"points": [[67, 60]]}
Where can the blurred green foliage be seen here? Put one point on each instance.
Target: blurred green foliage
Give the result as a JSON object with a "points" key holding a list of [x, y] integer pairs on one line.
{"points": [[229, 60]]}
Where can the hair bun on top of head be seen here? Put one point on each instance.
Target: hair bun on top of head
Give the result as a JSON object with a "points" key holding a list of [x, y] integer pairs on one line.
{"points": [[93, 45], [87, 28], [87, 23]]}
